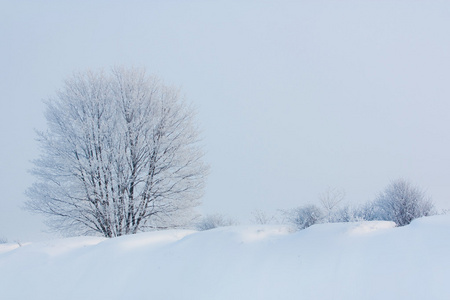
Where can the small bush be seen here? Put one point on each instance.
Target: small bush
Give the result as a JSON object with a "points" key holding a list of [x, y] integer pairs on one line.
{"points": [[402, 202], [304, 216], [214, 221]]}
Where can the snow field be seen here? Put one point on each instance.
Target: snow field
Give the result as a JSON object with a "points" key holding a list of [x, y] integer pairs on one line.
{"points": [[366, 260]]}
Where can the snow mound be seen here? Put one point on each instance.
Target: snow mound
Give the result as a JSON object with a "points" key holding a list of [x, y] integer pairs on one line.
{"points": [[249, 234], [8, 247], [364, 260], [369, 227]]}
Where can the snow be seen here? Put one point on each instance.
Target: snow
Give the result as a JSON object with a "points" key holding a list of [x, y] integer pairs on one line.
{"points": [[364, 260]]}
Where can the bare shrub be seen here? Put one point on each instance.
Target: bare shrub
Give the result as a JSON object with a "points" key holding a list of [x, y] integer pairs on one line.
{"points": [[213, 221], [304, 216]]}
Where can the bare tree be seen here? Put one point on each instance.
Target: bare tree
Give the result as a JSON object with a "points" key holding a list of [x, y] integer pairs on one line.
{"points": [[330, 201], [402, 202], [260, 217], [120, 156]]}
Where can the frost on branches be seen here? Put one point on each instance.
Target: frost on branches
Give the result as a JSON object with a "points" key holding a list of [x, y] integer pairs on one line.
{"points": [[402, 202], [120, 156]]}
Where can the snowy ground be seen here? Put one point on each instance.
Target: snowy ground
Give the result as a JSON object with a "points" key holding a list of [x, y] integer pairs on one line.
{"points": [[368, 260]]}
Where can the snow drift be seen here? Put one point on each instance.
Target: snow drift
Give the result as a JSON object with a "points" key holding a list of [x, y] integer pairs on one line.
{"points": [[367, 260]]}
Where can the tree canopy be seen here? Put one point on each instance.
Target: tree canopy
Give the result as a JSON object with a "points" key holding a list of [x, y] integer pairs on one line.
{"points": [[121, 155]]}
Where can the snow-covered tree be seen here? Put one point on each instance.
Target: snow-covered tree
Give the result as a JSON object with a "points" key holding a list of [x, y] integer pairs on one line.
{"points": [[120, 156], [402, 202]]}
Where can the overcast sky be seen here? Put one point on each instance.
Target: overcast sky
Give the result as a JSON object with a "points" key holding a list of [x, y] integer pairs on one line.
{"points": [[292, 97]]}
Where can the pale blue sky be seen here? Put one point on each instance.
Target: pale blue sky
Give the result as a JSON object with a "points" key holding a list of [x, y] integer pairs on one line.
{"points": [[293, 96]]}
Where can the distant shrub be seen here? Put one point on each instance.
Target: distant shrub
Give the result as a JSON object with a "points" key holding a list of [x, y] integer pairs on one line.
{"points": [[402, 202], [343, 214], [445, 211], [366, 212], [304, 216], [214, 221]]}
